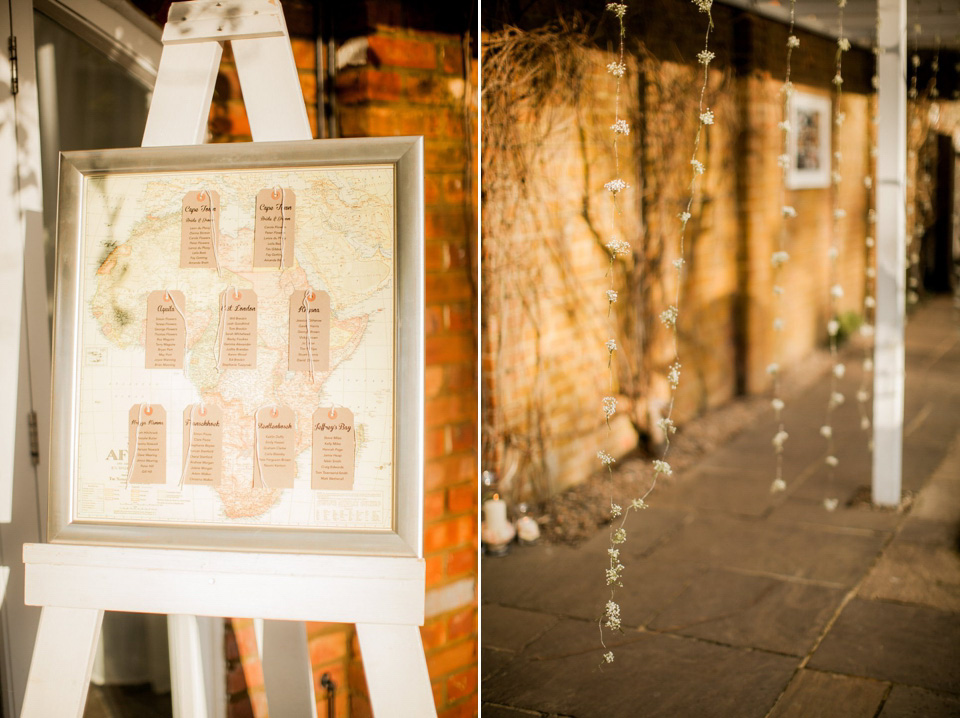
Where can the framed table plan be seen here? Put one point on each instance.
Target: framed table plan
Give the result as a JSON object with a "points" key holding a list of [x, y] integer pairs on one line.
{"points": [[239, 347]]}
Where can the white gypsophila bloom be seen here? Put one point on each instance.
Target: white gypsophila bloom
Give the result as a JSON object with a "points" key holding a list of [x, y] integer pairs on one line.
{"points": [[779, 439], [869, 302], [875, 82], [869, 242], [868, 182], [868, 364], [826, 431], [704, 57], [778, 325], [831, 461], [616, 185], [778, 259], [833, 326], [605, 458], [863, 395], [833, 253], [778, 485], [667, 426], [836, 398], [787, 89], [866, 330], [841, 4], [836, 291], [614, 554], [673, 376], [773, 368], [872, 216], [864, 423], [788, 211], [836, 177], [783, 161], [638, 504], [609, 406], [844, 44], [662, 467], [839, 213], [830, 504], [793, 41], [617, 8], [839, 370], [677, 264], [778, 290], [871, 272], [698, 168], [619, 536], [785, 125], [669, 316], [612, 616], [707, 117], [617, 69], [620, 127], [611, 296], [608, 657], [777, 404], [703, 5], [613, 575], [684, 217], [837, 80], [611, 345], [618, 247]]}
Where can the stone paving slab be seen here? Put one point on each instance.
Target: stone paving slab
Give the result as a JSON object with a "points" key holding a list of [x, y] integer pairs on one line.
{"points": [[650, 677], [915, 573], [751, 611], [811, 511], [510, 629], [909, 702], [797, 551], [814, 694], [914, 645], [715, 489], [492, 711], [493, 661]]}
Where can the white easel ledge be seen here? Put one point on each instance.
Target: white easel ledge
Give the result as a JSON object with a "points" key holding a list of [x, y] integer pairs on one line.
{"points": [[75, 584]]}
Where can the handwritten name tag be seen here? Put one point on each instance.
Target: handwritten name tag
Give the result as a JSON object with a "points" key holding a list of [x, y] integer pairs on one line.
{"points": [[237, 335], [202, 445], [147, 444], [334, 449], [309, 351], [199, 230], [274, 465], [166, 330], [274, 233]]}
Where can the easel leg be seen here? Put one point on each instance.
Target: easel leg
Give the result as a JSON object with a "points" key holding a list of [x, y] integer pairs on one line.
{"points": [[287, 677], [62, 662], [396, 671], [197, 673]]}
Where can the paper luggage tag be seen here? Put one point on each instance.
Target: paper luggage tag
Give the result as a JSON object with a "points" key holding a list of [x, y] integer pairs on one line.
{"points": [[202, 445], [273, 235], [334, 449], [313, 308], [274, 463], [147, 444], [200, 230], [237, 333], [166, 330]]}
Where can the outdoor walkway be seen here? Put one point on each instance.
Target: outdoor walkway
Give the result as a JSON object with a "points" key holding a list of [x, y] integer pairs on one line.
{"points": [[741, 604]]}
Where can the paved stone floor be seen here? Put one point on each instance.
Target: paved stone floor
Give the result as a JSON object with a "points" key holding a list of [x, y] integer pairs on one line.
{"points": [[740, 604]]}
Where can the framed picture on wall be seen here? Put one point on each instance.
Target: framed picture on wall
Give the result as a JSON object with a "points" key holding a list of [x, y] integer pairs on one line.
{"points": [[809, 141], [238, 347]]}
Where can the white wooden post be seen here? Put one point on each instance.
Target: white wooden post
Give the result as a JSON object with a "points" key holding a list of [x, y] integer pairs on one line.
{"points": [[891, 255]]}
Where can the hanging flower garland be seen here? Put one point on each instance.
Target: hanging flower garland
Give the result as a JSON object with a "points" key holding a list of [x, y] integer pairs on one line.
{"points": [[833, 254], [610, 620], [913, 222], [869, 253], [780, 257]]}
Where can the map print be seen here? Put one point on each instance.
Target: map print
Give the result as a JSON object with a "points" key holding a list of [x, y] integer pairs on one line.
{"points": [[131, 245]]}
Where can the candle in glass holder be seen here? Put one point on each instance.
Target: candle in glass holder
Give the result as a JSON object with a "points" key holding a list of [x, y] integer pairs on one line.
{"points": [[497, 531]]}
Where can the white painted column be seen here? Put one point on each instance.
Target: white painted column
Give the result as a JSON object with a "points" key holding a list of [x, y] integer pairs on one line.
{"points": [[891, 255]]}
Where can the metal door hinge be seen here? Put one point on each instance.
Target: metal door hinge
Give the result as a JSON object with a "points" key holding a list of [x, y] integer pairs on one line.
{"points": [[34, 438], [14, 70]]}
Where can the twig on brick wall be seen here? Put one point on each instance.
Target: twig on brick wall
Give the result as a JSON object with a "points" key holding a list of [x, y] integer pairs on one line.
{"points": [[610, 620], [780, 257], [869, 255], [838, 369]]}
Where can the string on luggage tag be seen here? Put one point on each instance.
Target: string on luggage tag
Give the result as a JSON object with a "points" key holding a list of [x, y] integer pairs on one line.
{"points": [[168, 296], [277, 189], [186, 463], [136, 444], [256, 437], [308, 296], [214, 231], [221, 329]]}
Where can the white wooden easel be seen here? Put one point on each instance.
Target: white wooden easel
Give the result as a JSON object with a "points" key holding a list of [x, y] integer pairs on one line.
{"points": [[383, 596]]}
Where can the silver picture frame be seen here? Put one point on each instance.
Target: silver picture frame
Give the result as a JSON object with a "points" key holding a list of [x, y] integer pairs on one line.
{"points": [[808, 144], [404, 537]]}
